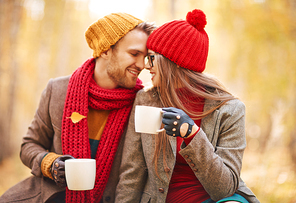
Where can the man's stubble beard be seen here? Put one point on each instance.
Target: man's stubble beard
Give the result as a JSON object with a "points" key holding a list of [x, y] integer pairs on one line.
{"points": [[118, 75]]}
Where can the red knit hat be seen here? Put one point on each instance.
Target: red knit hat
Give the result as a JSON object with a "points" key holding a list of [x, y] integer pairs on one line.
{"points": [[184, 42]]}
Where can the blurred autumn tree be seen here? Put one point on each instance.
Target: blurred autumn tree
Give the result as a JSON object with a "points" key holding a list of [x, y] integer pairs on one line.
{"points": [[9, 29], [264, 61], [39, 40], [262, 67]]}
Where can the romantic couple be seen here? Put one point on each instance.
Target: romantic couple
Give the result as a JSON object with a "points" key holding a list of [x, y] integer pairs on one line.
{"points": [[198, 158]]}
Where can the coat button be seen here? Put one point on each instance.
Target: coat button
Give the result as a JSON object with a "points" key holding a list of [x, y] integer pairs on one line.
{"points": [[189, 160], [161, 190], [186, 156], [195, 170], [192, 165], [107, 199]]}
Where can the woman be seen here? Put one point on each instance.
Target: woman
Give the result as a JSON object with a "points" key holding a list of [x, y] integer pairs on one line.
{"points": [[199, 156]]}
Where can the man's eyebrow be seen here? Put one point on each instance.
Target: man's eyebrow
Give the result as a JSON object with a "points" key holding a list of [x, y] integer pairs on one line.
{"points": [[136, 50]]}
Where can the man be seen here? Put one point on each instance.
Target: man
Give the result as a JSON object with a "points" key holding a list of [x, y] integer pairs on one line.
{"points": [[85, 115]]}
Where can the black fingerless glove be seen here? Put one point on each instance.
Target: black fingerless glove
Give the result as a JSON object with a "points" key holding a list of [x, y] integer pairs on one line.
{"points": [[58, 170], [173, 119]]}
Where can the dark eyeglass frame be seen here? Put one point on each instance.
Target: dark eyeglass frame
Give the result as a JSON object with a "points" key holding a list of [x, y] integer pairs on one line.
{"points": [[150, 59]]}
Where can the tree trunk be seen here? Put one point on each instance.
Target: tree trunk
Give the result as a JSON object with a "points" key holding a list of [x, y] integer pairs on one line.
{"points": [[9, 26], [173, 9]]}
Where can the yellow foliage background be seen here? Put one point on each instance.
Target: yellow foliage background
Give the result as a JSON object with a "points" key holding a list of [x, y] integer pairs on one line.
{"points": [[252, 51]]}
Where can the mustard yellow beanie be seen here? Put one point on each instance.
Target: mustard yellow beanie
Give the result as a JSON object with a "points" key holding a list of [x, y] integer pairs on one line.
{"points": [[104, 33]]}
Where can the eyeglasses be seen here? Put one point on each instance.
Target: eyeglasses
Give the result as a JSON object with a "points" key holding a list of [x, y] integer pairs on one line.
{"points": [[149, 59]]}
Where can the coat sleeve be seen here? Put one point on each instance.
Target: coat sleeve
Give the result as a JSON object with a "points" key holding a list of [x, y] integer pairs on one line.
{"points": [[38, 139], [218, 167], [133, 169]]}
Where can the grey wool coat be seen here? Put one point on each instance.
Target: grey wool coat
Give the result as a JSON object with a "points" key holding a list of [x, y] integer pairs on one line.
{"points": [[44, 134], [214, 154]]}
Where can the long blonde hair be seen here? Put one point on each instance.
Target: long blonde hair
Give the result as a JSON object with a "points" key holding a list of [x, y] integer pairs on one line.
{"points": [[199, 85]]}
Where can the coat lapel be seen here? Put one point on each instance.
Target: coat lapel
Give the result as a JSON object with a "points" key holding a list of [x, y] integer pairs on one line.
{"points": [[173, 143], [209, 124]]}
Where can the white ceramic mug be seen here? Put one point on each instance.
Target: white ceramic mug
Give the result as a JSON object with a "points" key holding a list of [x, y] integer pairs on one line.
{"points": [[148, 119], [80, 173]]}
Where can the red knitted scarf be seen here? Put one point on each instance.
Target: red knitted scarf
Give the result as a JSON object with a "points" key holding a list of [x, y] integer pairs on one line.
{"points": [[83, 92]]}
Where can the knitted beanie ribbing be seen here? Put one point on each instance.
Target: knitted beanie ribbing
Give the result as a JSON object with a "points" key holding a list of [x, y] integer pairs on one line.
{"points": [[104, 33], [184, 42]]}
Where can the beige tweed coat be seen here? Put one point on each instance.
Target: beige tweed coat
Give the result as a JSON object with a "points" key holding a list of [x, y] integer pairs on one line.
{"points": [[215, 155]]}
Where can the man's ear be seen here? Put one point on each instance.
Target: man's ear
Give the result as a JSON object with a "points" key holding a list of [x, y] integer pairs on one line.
{"points": [[107, 54]]}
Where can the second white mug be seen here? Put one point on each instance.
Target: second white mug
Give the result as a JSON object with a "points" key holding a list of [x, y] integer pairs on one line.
{"points": [[148, 119]]}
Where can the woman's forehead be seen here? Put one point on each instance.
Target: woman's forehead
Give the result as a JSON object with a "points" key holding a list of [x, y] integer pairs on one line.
{"points": [[150, 51]]}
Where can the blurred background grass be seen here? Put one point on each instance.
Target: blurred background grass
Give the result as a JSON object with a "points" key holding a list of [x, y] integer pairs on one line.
{"points": [[252, 51]]}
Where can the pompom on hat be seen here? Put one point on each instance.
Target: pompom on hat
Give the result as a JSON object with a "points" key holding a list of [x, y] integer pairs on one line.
{"points": [[185, 42], [108, 30]]}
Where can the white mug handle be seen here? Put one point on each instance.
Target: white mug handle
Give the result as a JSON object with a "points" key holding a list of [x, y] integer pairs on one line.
{"points": [[160, 130]]}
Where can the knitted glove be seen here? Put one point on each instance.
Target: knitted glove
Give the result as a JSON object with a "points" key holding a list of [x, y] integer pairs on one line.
{"points": [[177, 122], [58, 170]]}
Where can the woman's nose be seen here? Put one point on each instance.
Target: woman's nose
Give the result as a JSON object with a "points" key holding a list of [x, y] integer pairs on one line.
{"points": [[147, 66]]}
